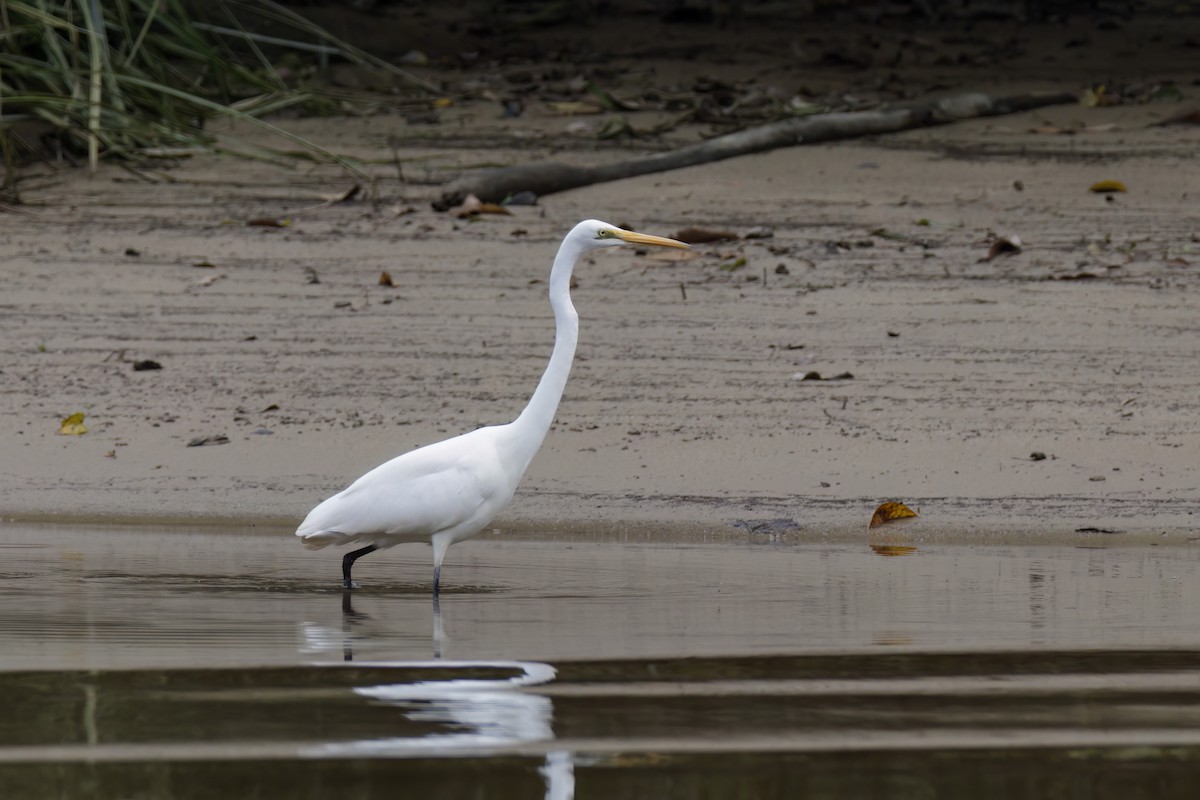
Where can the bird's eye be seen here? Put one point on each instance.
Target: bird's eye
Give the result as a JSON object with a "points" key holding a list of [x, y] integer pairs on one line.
{"points": [[604, 233]]}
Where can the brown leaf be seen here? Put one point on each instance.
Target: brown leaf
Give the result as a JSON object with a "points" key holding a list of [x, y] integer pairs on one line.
{"points": [[493, 208], [1003, 246], [385, 279], [268, 222], [473, 206], [890, 512]]}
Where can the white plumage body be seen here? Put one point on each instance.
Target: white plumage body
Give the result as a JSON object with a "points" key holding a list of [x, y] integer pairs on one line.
{"points": [[451, 488]]}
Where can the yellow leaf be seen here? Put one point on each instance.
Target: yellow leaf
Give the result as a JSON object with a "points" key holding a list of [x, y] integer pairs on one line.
{"points": [[1107, 186], [73, 425], [443, 102], [890, 512]]}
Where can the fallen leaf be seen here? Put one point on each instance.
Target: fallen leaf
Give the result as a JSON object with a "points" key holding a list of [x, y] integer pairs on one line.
{"points": [[468, 208], [813, 375], [1003, 246], [703, 235], [146, 364], [890, 512], [759, 232], [268, 222], [1107, 187], [204, 441], [472, 206], [385, 279], [733, 264], [443, 102], [1094, 97], [614, 128], [204, 264], [311, 274], [1093, 529], [73, 425], [1037, 455]]}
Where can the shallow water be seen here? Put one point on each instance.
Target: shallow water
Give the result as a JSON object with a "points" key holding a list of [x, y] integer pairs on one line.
{"points": [[185, 663]]}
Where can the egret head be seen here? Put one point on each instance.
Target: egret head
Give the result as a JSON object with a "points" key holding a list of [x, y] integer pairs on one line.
{"points": [[595, 234]]}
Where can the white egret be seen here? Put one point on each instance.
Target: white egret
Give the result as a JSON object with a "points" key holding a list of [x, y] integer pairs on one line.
{"points": [[448, 491]]}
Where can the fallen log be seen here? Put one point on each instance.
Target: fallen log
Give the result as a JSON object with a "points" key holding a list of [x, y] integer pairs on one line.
{"points": [[548, 177]]}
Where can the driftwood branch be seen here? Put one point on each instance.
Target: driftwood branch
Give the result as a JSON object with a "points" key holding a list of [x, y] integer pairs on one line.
{"points": [[549, 176]]}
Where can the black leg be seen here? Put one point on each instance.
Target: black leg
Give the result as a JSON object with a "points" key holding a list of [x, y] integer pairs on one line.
{"points": [[348, 562]]}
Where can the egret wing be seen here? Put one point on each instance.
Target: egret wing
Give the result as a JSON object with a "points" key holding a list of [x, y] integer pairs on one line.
{"points": [[415, 495]]}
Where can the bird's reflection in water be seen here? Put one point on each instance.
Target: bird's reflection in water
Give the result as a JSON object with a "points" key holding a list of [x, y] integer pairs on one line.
{"points": [[471, 714], [352, 619]]}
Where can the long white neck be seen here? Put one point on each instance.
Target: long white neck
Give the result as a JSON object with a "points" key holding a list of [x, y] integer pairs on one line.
{"points": [[531, 427]]}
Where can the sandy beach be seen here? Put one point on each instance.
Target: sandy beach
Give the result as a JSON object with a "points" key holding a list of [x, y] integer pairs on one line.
{"points": [[686, 409]]}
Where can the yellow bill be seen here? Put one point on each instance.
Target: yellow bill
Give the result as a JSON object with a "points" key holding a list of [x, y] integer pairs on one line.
{"points": [[645, 238]]}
